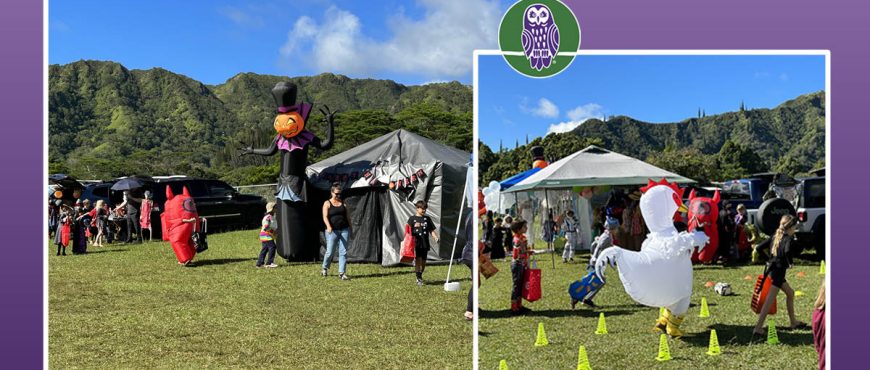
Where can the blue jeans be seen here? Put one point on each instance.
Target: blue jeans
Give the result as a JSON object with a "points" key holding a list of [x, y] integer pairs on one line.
{"points": [[268, 247], [340, 237]]}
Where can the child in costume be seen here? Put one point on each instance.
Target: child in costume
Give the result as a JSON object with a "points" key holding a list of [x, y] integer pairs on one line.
{"points": [[145, 213], [497, 248], [548, 231], [519, 263], [586, 289], [267, 238], [780, 262], [569, 225], [422, 227], [660, 274], [508, 234], [62, 234]]}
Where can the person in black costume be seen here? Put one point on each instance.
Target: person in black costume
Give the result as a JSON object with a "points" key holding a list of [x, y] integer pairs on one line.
{"points": [[133, 225], [487, 233], [780, 261], [498, 231], [293, 140]]}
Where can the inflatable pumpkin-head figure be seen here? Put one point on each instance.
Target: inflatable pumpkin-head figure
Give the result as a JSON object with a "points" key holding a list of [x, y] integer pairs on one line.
{"points": [[289, 121], [539, 161]]}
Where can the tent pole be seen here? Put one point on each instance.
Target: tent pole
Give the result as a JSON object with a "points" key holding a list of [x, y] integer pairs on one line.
{"points": [[456, 235], [546, 218]]}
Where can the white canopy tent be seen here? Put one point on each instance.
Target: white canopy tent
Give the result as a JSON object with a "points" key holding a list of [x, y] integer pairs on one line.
{"points": [[557, 187]]}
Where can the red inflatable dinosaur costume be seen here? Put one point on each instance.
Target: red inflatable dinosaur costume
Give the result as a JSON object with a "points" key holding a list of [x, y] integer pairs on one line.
{"points": [[179, 220], [703, 214]]}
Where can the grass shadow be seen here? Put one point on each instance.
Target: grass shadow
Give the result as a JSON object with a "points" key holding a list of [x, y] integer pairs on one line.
{"points": [[551, 313], [442, 281], [106, 251], [383, 274], [220, 261], [741, 335]]}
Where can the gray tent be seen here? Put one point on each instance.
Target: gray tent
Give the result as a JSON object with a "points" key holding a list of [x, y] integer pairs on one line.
{"points": [[595, 166], [383, 178]]}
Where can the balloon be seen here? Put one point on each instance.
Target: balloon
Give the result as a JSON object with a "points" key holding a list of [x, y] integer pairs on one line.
{"points": [[491, 194], [58, 194], [295, 231]]}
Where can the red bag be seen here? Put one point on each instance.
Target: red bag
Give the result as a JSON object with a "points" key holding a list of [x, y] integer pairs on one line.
{"points": [[759, 295], [65, 234], [408, 246], [532, 285]]}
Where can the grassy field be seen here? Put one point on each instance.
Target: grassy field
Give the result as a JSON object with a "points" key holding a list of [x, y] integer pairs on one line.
{"points": [[631, 344], [132, 306]]}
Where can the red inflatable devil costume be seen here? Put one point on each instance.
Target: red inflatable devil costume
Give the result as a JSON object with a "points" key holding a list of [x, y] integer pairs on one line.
{"points": [[703, 214], [179, 220]]}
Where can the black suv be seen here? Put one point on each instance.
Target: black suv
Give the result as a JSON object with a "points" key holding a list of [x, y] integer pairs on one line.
{"points": [[217, 201]]}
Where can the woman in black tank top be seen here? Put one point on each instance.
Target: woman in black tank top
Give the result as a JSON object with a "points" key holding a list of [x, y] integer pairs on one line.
{"points": [[338, 228]]}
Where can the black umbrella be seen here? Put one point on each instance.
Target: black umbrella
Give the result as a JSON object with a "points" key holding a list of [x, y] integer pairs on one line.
{"points": [[128, 183], [65, 181]]}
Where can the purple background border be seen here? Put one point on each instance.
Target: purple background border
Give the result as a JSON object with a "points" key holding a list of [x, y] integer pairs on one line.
{"points": [[838, 25], [22, 184]]}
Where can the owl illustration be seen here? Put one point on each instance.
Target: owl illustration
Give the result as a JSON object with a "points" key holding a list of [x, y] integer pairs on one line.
{"points": [[540, 36]]}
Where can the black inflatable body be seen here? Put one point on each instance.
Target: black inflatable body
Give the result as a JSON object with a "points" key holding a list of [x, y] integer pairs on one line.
{"points": [[296, 237]]}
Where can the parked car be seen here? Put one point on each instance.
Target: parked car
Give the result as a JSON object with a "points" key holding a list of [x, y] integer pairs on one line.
{"points": [[811, 214], [97, 191], [223, 206]]}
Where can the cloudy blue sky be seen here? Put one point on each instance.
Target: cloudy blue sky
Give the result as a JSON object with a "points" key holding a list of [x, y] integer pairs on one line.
{"points": [[649, 88], [412, 42]]}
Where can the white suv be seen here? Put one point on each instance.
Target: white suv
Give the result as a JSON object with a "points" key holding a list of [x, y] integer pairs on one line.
{"points": [[811, 214]]}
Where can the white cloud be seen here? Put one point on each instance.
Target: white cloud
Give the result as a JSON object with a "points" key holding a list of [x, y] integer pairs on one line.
{"points": [[241, 17], [585, 112], [545, 108], [577, 117], [439, 45]]}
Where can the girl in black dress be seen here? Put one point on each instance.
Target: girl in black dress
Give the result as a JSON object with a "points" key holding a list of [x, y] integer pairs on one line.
{"points": [[780, 262], [498, 231]]}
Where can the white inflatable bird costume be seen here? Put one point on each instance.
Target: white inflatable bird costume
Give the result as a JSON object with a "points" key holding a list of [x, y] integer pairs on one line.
{"points": [[660, 275]]}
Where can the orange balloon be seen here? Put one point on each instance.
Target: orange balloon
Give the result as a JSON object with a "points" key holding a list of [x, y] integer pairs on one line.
{"points": [[289, 124], [58, 194]]}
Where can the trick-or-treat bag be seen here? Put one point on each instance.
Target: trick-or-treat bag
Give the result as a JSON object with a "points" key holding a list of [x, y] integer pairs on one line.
{"points": [[759, 295], [487, 268], [532, 286], [408, 245]]}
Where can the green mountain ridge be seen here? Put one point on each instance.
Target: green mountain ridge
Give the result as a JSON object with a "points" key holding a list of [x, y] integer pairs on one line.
{"points": [[106, 120], [788, 138]]}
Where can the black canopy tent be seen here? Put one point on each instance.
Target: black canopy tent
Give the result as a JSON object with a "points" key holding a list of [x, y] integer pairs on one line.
{"points": [[383, 178]]}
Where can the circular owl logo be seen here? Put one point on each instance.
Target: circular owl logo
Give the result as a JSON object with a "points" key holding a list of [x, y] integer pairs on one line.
{"points": [[539, 38]]}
